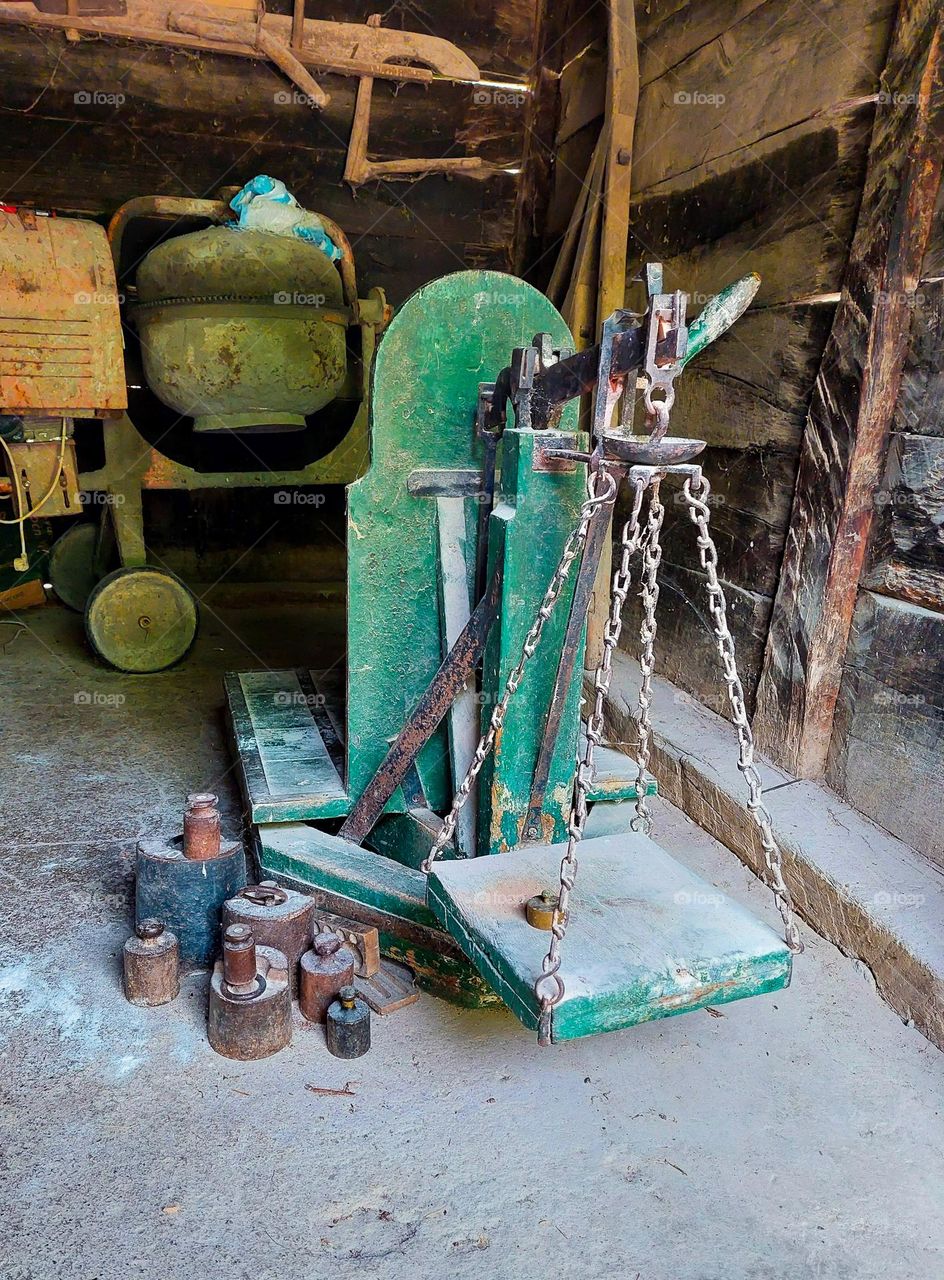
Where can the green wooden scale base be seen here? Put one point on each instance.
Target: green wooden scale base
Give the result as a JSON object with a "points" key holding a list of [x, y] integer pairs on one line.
{"points": [[646, 938]]}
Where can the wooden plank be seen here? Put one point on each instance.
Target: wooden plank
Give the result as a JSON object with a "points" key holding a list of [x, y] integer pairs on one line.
{"points": [[907, 551], [920, 406], [683, 28], [350, 881], [579, 305], [686, 651], [622, 102], [647, 938], [888, 743], [328, 862], [538, 154], [751, 490], [475, 30], [854, 400], [784, 206], [408, 837], [535, 512], [103, 172], [151, 89], [497, 34], [773, 354], [788, 68], [614, 777], [286, 771], [582, 91]]}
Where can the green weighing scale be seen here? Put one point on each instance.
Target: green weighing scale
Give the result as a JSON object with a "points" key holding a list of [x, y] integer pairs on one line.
{"points": [[461, 772]]}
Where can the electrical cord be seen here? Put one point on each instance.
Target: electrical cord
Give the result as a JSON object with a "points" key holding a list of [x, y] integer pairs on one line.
{"points": [[22, 561]]}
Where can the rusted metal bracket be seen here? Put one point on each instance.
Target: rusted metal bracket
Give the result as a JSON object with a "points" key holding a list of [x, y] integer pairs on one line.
{"points": [[575, 375]]}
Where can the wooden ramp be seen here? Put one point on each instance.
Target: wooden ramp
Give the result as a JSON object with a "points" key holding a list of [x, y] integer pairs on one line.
{"points": [[287, 730], [285, 765], [647, 937]]}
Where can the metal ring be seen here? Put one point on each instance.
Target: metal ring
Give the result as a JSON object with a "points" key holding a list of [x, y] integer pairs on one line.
{"points": [[547, 999]]}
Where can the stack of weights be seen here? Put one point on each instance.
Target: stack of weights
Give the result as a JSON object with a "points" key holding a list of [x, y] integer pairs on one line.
{"points": [[184, 881]]}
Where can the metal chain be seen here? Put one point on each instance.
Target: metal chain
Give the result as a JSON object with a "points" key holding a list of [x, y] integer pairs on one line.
{"points": [[651, 559], [696, 493], [602, 489], [549, 987]]}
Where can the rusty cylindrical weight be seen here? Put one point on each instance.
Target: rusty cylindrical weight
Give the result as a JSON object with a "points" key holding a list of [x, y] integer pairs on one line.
{"points": [[279, 918], [250, 1016], [151, 964], [541, 910], [239, 961], [323, 971], [201, 827], [188, 892], [347, 1026]]}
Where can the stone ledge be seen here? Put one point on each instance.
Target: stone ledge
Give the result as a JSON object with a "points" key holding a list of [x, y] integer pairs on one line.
{"points": [[875, 897]]}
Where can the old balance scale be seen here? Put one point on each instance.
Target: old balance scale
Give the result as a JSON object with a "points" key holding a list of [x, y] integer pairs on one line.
{"points": [[447, 799]]}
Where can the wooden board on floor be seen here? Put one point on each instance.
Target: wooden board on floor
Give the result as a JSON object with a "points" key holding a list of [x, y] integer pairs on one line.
{"points": [[286, 770]]}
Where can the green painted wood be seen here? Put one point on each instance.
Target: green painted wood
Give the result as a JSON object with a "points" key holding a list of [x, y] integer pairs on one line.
{"points": [[647, 937], [286, 771], [366, 886], [451, 335], [535, 512], [451, 978], [607, 819], [331, 863], [408, 837]]}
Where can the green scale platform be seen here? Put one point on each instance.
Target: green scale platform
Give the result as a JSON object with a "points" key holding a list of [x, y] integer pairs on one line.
{"points": [[647, 938]]}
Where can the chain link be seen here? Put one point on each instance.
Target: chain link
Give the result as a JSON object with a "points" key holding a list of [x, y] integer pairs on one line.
{"points": [[696, 494], [651, 559], [602, 489], [549, 987]]}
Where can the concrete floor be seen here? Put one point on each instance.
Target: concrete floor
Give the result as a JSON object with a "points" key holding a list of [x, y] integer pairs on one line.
{"points": [[796, 1135]]}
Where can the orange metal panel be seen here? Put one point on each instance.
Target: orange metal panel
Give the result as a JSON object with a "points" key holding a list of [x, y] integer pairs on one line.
{"points": [[60, 329]]}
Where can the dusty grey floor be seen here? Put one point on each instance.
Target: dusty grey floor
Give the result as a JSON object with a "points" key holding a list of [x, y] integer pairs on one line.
{"points": [[797, 1135]]}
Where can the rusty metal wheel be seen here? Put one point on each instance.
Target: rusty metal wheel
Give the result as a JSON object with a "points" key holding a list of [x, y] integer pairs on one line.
{"points": [[72, 565], [141, 620]]}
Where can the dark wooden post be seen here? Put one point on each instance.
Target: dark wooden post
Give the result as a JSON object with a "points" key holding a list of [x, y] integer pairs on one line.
{"points": [[847, 430]]}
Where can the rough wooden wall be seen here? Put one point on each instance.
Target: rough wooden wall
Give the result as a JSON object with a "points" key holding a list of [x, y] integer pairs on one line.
{"points": [[751, 140], [888, 737], [750, 151]]}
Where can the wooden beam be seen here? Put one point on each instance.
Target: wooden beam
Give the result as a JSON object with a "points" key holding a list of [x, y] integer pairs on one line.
{"points": [[622, 101], [326, 46], [847, 429]]}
